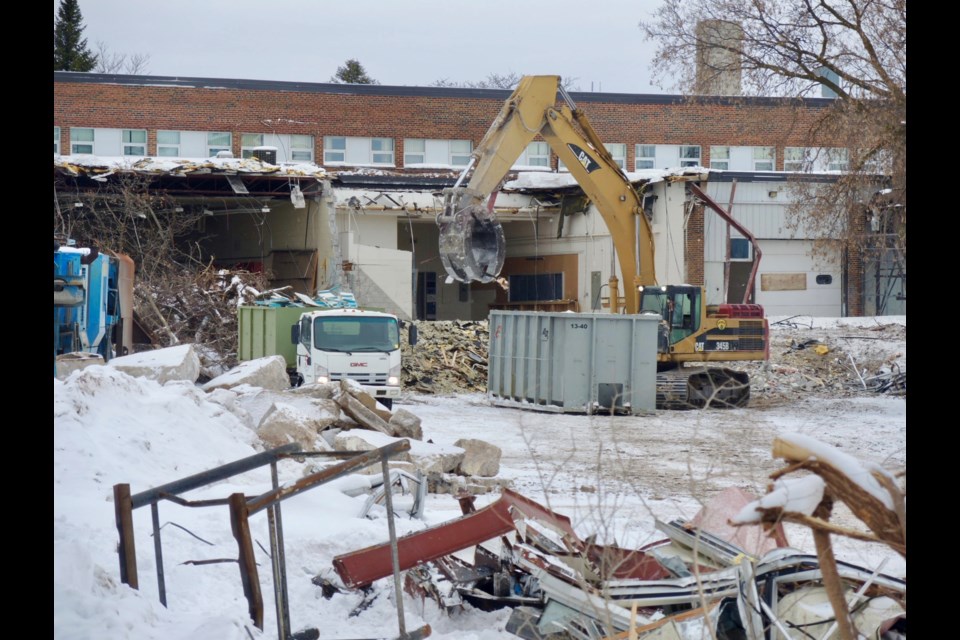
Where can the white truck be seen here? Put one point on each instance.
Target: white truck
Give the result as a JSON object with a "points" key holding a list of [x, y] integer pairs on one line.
{"points": [[352, 344]]}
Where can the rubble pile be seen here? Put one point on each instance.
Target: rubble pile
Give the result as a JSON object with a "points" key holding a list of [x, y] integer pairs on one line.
{"points": [[449, 357]]}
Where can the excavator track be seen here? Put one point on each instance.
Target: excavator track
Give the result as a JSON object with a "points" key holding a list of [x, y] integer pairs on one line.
{"points": [[702, 387]]}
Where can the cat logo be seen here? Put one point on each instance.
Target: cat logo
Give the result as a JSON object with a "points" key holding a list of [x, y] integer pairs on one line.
{"points": [[722, 324]]}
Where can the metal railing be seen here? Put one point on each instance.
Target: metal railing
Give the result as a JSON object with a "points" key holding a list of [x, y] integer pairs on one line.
{"points": [[241, 508]]}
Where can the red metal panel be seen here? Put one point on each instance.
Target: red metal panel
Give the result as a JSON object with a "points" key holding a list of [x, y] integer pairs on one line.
{"points": [[362, 567]]}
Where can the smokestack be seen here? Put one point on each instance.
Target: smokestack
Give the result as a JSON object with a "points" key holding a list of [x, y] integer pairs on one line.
{"points": [[719, 64]]}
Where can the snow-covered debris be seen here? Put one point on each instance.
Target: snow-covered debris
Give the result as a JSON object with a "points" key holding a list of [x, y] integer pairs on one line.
{"points": [[285, 423], [481, 458], [794, 495], [426, 456], [406, 425], [796, 447], [67, 363], [172, 363], [269, 373]]}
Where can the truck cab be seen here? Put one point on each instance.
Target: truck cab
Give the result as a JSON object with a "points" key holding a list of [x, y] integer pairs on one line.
{"points": [[351, 344]]}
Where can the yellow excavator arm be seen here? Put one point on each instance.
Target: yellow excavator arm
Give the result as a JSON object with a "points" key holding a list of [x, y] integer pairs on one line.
{"points": [[471, 240]]}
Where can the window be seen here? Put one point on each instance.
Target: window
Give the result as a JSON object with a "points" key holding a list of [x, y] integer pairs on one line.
{"points": [[414, 151], [838, 159], [536, 287], [56, 140], [382, 150], [879, 162], [720, 158], [763, 158], [796, 159], [358, 151], [218, 141], [739, 249], [81, 140], [134, 142], [248, 141], [824, 278], [619, 153], [301, 148], [168, 144], [334, 149], [537, 154], [436, 152], [645, 156], [689, 155], [460, 152]]}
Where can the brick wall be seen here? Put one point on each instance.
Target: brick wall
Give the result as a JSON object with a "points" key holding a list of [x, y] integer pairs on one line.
{"points": [[694, 247], [421, 113]]}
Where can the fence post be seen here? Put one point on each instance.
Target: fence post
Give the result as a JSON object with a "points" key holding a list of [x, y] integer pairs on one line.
{"points": [[240, 524], [123, 509]]}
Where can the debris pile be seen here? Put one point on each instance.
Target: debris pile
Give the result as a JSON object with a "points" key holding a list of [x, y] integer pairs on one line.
{"points": [[705, 576], [450, 357]]}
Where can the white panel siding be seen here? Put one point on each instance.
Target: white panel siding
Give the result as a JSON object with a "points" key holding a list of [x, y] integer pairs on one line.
{"points": [[741, 159], [193, 144], [106, 142], [667, 156], [795, 256]]}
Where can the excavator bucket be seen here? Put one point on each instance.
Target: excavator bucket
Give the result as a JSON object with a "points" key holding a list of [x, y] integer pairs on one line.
{"points": [[472, 246]]}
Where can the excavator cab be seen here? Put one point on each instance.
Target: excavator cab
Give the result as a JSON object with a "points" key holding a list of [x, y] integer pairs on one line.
{"points": [[678, 307]]}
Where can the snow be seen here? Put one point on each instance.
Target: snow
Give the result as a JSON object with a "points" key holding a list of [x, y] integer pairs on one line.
{"points": [[531, 179], [611, 475], [794, 495]]}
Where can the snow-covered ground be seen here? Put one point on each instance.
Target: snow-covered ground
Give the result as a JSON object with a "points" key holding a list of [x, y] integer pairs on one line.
{"points": [[612, 475]]}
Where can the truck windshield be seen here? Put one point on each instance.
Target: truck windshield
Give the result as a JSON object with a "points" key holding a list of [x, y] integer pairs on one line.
{"points": [[356, 334]]}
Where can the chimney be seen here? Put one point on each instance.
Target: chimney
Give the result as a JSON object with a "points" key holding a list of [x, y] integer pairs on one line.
{"points": [[719, 66]]}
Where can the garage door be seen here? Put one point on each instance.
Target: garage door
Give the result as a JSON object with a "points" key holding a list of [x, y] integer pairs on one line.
{"points": [[791, 281]]}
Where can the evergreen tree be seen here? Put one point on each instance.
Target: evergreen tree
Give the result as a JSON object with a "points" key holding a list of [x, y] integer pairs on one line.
{"points": [[352, 72], [70, 52]]}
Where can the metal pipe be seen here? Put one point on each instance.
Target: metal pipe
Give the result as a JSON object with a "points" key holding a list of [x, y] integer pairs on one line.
{"points": [[158, 552], [394, 553], [203, 478], [357, 462], [279, 562]]}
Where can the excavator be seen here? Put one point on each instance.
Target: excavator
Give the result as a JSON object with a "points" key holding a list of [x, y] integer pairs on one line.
{"points": [[473, 247]]}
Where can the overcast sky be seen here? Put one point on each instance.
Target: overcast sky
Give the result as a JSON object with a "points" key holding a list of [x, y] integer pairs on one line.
{"points": [[399, 42]]}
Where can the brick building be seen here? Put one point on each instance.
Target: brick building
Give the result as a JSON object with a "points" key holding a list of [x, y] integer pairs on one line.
{"points": [[385, 152]]}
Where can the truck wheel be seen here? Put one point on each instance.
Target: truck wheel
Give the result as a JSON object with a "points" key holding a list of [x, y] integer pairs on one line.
{"points": [[387, 402]]}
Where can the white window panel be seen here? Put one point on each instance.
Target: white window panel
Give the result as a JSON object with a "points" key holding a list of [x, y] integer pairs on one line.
{"points": [[134, 142], [720, 158], [764, 158], [381, 151], [838, 159], [334, 149], [689, 155], [81, 140], [537, 154], [56, 140], [741, 158], [248, 142], [797, 159], [420, 151], [619, 152], [218, 141], [168, 144], [301, 148], [645, 156]]}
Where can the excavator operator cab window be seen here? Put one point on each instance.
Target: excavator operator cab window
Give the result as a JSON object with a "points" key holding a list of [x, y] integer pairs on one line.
{"points": [[685, 319]]}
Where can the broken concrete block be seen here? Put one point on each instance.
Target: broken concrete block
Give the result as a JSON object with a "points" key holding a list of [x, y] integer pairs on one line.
{"points": [[323, 391], [173, 363], [353, 388], [285, 423], [229, 400], [425, 456], [406, 425], [481, 458], [362, 415], [255, 402], [67, 363], [269, 373]]}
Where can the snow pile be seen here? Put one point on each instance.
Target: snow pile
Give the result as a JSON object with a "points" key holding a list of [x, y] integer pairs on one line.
{"points": [[794, 495]]}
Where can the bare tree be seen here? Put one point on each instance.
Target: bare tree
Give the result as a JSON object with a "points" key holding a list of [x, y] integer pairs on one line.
{"points": [[134, 64], [496, 81], [855, 50]]}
